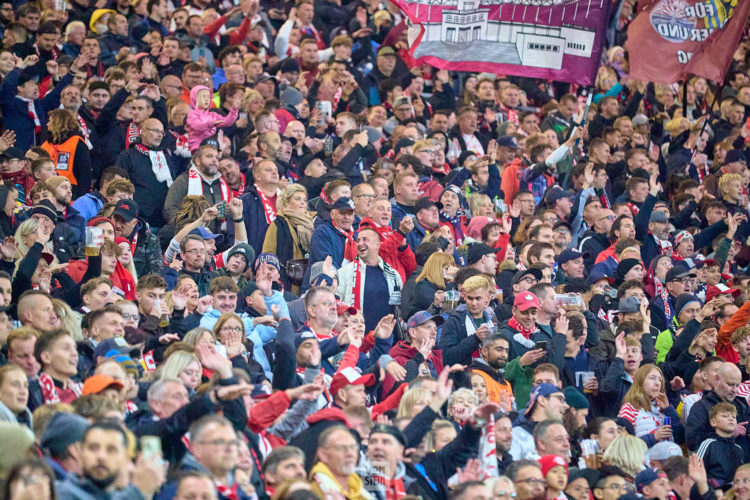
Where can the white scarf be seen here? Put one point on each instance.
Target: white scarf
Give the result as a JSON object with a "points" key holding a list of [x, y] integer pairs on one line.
{"points": [[195, 184], [159, 163], [32, 114]]}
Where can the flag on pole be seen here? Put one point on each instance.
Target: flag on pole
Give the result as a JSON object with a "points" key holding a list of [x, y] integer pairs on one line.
{"points": [[550, 39], [669, 40], [488, 449]]}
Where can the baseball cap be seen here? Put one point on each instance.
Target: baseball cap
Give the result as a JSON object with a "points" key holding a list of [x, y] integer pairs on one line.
{"points": [[63, 430], [541, 390], [97, 383], [549, 461], [306, 335], [662, 451], [569, 254], [342, 307], [404, 100], [507, 141], [599, 275], [557, 193], [679, 272], [403, 143], [206, 234], [343, 203], [721, 289], [116, 344], [478, 250], [386, 51], [391, 430], [350, 376], [13, 153], [425, 202], [525, 301], [646, 477], [629, 305], [421, 317], [373, 134], [536, 273], [127, 209]]}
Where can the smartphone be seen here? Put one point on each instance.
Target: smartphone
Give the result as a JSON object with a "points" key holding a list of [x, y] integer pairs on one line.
{"points": [[222, 210], [151, 447], [542, 344]]}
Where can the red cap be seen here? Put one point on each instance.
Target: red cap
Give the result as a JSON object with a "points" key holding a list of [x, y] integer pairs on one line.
{"points": [[549, 461], [97, 383], [350, 376], [526, 300], [342, 308], [720, 289]]}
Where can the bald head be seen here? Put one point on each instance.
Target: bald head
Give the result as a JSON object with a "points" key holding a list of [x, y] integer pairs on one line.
{"points": [[171, 86], [152, 132], [728, 378], [35, 309]]}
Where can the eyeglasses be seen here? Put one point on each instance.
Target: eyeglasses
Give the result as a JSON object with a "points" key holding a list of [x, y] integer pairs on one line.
{"points": [[154, 131], [533, 482], [530, 280], [608, 217], [621, 487], [328, 303], [343, 447], [128, 316], [502, 494], [195, 251], [563, 230], [237, 329], [365, 196]]}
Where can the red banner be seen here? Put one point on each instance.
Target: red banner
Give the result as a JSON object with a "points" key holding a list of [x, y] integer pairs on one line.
{"points": [[672, 39]]}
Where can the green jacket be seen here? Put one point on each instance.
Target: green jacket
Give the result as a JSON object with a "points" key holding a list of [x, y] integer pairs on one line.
{"points": [[520, 378]]}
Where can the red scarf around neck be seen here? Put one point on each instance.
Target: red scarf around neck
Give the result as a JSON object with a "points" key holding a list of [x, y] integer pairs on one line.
{"points": [[526, 332], [350, 246], [268, 209]]}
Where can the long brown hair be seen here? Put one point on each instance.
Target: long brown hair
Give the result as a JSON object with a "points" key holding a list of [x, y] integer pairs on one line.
{"points": [[61, 123], [433, 269], [636, 395]]}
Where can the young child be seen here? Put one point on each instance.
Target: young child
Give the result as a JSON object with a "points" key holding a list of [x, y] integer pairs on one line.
{"points": [[202, 123], [720, 454], [555, 472]]}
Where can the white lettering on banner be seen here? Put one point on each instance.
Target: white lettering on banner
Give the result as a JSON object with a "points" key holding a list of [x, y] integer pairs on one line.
{"points": [[683, 56]]}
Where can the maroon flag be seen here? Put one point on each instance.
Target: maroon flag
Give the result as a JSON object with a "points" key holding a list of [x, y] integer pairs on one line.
{"points": [[672, 39], [551, 39]]}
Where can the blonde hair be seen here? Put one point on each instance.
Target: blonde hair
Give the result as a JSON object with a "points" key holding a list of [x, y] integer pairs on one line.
{"points": [[731, 494], [287, 194], [627, 453], [437, 425], [726, 179], [70, 321], [409, 399], [476, 282], [193, 336], [478, 200], [26, 228], [175, 364], [433, 269]]}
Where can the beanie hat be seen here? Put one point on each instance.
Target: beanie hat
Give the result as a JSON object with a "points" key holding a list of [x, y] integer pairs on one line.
{"points": [[55, 181], [575, 399], [683, 300], [246, 251], [624, 267], [549, 461]]}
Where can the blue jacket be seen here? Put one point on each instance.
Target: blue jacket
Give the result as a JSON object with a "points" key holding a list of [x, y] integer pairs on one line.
{"points": [[326, 240], [88, 205], [415, 236], [16, 112]]}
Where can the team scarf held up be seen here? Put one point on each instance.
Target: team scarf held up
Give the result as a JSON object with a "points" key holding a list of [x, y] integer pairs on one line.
{"points": [[268, 209], [33, 116], [159, 164], [132, 134], [195, 185], [50, 392]]}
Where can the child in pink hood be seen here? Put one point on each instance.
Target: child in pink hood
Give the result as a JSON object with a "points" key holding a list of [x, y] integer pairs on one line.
{"points": [[202, 123]]}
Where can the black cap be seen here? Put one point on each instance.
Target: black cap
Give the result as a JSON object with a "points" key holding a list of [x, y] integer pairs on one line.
{"points": [[478, 250], [343, 203], [425, 202], [679, 271], [13, 153], [211, 141], [536, 273], [389, 429], [127, 209]]}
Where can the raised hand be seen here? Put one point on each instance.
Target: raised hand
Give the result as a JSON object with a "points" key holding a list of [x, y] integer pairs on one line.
{"points": [[395, 370], [385, 327], [472, 471], [9, 248], [51, 67], [406, 225], [211, 359], [7, 140], [204, 304], [425, 346]]}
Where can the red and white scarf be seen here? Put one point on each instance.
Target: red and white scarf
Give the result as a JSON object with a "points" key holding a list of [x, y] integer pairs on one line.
{"points": [[195, 185], [350, 246], [85, 130], [357, 284], [634, 209], [32, 114], [227, 492], [240, 190], [526, 332], [159, 164], [394, 487], [488, 449], [132, 134], [50, 392], [268, 209]]}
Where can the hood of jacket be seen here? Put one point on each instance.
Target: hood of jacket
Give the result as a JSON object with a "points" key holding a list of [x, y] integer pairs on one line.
{"points": [[194, 95], [481, 365], [332, 414]]}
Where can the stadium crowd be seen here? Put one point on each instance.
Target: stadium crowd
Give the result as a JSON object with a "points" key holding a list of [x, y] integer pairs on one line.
{"points": [[253, 250]]}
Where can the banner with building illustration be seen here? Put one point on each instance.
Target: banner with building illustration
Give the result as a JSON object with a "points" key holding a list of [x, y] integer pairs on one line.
{"points": [[672, 39], [551, 39]]}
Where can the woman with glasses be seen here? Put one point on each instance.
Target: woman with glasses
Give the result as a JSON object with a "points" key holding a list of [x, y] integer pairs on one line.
{"points": [[230, 331]]}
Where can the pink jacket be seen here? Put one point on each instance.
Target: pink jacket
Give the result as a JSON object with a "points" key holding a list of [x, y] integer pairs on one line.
{"points": [[200, 124]]}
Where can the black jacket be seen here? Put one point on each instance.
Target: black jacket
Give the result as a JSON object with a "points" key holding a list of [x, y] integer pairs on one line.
{"points": [[721, 456], [698, 428], [457, 346], [592, 243]]}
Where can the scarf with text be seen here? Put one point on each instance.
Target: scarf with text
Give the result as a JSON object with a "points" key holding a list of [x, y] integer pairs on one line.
{"points": [[132, 134], [268, 209], [195, 185], [85, 131], [350, 246], [516, 325], [33, 116], [50, 392], [394, 487], [159, 164]]}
